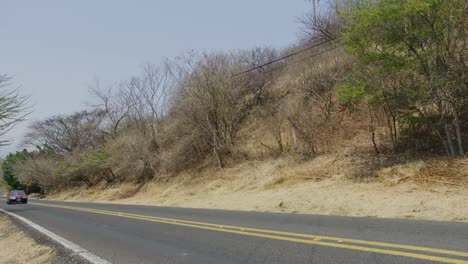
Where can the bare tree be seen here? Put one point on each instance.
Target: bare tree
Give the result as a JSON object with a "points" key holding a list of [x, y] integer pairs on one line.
{"points": [[148, 96], [38, 170], [325, 22], [13, 107], [65, 134], [214, 105], [114, 102]]}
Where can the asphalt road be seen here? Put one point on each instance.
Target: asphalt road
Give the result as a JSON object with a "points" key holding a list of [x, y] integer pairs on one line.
{"points": [[149, 234]]}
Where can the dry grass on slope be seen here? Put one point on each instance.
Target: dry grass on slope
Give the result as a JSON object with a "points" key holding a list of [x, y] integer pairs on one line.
{"points": [[326, 185], [452, 172]]}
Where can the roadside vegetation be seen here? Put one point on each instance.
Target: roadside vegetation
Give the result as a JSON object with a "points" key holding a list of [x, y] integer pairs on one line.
{"points": [[18, 247], [373, 83]]}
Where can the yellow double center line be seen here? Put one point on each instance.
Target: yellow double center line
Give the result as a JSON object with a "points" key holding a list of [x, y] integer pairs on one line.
{"points": [[336, 242]]}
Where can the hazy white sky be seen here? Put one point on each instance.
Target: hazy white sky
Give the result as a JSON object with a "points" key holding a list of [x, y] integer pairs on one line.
{"points": [[54, 48]]}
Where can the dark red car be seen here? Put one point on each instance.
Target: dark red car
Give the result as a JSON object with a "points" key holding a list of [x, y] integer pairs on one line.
{"points": [[17, 196]]}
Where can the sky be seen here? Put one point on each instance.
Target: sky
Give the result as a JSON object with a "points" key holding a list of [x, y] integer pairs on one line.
{"points": [[54, 49]]}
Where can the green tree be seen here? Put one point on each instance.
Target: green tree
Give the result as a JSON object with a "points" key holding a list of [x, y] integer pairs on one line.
{"points": [[7, 167], [413, 58]]}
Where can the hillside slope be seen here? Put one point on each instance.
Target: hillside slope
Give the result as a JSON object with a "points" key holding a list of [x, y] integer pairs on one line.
{"points": [[321, 186]]}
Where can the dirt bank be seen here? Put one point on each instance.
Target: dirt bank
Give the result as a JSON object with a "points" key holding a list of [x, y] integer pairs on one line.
{"points": [[322, 186]]}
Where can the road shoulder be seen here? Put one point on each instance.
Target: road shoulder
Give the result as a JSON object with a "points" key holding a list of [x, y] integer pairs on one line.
{"points": [[21, 243]]}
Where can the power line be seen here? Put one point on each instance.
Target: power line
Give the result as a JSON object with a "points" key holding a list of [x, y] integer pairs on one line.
{"points": [[312, 56], [306, 58], [280, 59]]}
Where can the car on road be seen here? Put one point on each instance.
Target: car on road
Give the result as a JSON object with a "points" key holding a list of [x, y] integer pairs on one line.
{"points": [[17, 196]]}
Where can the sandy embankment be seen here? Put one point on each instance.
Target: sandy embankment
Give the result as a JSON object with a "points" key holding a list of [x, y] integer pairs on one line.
{"points": [[17, 247], [319, 187]]}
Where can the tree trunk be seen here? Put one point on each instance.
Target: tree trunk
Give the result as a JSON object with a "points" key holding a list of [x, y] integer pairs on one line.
{"points": [[154, 146], [443, 142], [308, 138], [294, 137], [218, 156], [279, 140], [395, 133], [461, 151], [449, 138], [372, 128], [377, 152], [391, 123], [110, 177], [215, 132]]}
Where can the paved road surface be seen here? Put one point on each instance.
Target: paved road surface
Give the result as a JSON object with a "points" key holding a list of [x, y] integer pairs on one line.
{"points": [[149, 234]]}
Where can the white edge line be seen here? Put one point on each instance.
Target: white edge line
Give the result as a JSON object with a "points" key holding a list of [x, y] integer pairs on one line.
{"points": [[77, 250]]}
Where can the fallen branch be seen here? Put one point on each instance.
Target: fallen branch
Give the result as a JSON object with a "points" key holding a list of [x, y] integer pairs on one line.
{"points": [[268, 147]]}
